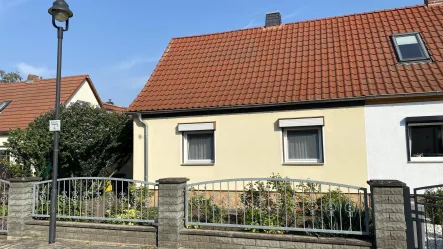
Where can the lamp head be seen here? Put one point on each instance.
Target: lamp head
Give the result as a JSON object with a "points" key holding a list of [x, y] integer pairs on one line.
{"points": [[60, 11]]}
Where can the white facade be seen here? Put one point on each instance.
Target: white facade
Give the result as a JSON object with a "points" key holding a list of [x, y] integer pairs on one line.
{"points": [[3, 139], [387, 146]]}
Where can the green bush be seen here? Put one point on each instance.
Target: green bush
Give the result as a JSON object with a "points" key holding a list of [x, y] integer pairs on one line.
{"points": [[340, 212], [204, 209], [3, 210], [435, 214], [104, 204]]}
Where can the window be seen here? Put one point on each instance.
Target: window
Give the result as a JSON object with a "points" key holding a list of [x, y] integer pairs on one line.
{"points": [[4, 104], [425, 142], [302, 140], [4, 157], [198, 146], [410, 47]]}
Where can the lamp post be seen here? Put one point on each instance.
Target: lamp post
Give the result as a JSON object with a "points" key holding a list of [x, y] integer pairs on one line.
{"points": [[60, 12]]}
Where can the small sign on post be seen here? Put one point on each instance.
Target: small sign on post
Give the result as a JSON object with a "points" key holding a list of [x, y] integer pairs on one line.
{"points": [[54, 125]]}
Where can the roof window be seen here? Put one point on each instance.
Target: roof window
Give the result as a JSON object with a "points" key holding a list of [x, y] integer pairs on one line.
{"points": [[410, 47], [4, 104]]}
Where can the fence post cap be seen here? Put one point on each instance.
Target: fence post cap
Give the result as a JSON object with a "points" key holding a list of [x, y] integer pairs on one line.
{"points": [[173, 180], [25, 179], [386, 183]]}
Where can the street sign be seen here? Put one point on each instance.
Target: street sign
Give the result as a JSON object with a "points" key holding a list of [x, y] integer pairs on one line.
{"points": [[54, 125]]}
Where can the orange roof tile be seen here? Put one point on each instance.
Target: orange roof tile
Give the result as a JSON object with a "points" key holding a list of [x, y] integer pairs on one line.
{"points": [[115, 108], [30, 100], [333, 58]]}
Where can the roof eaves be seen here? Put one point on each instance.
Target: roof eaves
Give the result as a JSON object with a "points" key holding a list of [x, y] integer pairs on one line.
{"points": [[350, 99]]}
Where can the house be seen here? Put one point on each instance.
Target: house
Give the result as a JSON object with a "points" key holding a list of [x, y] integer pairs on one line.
{"points": [[22, 102], [111, 107], [329, 99]]}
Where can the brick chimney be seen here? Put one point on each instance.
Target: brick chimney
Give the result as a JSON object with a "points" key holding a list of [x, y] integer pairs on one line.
{"points": [[33, 77], [273, 19], [433, 2]]}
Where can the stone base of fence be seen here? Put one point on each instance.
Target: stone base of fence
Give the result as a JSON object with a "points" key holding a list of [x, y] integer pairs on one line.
{"points": [[136, 235], [194, 238]]}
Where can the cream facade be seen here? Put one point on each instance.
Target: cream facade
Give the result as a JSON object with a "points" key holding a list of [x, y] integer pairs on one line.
{"points": [[84, 93], [251, 145]]}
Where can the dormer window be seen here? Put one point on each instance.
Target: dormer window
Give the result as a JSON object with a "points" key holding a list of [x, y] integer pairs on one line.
{"points": [[410, 47], [4, 104]]}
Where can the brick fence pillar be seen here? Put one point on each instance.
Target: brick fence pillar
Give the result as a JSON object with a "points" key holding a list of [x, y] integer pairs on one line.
{"points": [[171, 211], [20, 205], [388, 213]]}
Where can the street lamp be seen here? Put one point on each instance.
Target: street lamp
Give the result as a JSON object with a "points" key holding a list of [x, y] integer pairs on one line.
{"points": [[60, 12]]}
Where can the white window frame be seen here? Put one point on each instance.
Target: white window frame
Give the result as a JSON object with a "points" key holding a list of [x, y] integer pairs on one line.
{"points": [[420, 42], [421, 159], [303, 161], [185, 160]]}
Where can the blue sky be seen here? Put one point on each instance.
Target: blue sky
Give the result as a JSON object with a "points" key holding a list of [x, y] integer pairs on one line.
{"points": [[118, 42]]}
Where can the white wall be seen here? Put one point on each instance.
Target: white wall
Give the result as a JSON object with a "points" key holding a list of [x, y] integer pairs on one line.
{"points": [[84, 93], [386, 144], [3, 139]]}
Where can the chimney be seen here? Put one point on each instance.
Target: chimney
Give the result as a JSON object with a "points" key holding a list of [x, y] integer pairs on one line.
{"points": [[32, 78], [110, 102], [433, 2], [274, 19]]}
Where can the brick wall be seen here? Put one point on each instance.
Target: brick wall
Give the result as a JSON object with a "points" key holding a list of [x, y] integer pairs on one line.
{"points": [[431, 2], [191, 239], [137, 235]]}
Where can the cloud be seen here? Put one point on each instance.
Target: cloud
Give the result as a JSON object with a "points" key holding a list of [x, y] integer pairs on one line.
{"points": [[128, 64], [251, 24], [26, 69]]}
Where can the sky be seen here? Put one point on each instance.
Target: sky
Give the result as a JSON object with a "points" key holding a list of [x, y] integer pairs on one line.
{"points": [[119, 42]]}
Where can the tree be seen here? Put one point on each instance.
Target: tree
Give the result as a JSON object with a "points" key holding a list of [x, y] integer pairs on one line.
{"points": [[9, 77], [93, 142]]}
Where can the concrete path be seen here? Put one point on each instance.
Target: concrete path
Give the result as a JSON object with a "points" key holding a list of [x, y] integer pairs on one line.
{"points": [[66, 244]]}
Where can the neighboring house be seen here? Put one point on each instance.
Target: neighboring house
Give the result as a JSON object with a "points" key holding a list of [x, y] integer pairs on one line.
{"points": [[22, 102], [111, 107], [324, 99]]}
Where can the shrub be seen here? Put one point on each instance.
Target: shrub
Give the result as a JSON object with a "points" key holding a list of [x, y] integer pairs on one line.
{"points": [[435, 214], [340, 212], [204, 209]]}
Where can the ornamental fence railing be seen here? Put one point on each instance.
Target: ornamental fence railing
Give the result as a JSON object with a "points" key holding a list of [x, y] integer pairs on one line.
{"points": [[430, 221], [109, 200], [278, 204], [4, 197]]}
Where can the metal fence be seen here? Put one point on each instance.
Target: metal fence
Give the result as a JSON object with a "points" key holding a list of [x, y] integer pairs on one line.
{"points": [[110, 200], [4, 197], [278, 204], [430, 221]]}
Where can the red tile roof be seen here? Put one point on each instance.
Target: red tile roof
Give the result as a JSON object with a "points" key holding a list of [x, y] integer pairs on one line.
{"points": [[333, 58], [30, 100], [115, 108]]}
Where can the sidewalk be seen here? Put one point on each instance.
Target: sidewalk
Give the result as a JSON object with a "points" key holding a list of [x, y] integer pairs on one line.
{"points": [[66, 244]]}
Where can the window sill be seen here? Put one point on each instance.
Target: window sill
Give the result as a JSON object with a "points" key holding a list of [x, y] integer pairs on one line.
{"points": [[413, 62], [197, 164], [302, 164], [441, 161]]}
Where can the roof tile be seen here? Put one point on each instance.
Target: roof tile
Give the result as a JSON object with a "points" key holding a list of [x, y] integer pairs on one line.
{"points": [[339, 57]]}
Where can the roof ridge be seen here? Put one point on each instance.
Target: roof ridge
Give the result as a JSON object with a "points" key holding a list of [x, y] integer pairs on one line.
{"points": [[303, 21], [63, 77], [105, 103]]}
